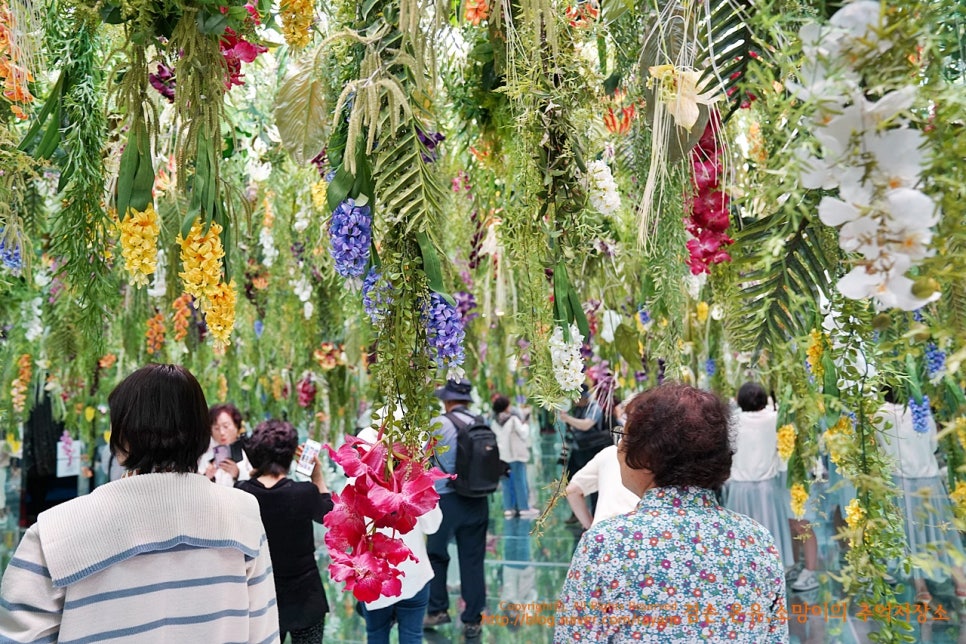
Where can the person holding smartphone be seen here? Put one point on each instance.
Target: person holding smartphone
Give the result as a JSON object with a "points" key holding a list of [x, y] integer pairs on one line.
{"points": [[288, 510], [225, 462]]}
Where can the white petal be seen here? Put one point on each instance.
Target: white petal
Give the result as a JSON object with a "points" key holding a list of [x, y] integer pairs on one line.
{"points": [[910, 209], [858, 284], [859, 235], [835, 212], [857, 17]]}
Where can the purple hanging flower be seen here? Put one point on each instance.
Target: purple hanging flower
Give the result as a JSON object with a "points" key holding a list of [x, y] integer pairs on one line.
{"points": [[376, 295], [259, 328], [935, 360], [444, 331], [710, 367], [10, 254], [350, 233], [321, 161], [644, 317], [465, 303], [429, 141], [163, 81], [920, 414]]}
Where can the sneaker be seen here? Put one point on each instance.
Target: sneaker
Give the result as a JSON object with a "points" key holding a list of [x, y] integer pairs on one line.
{"points": [[531, 513], [509, 514], [472, 631], [435, 619], [807, 580], [792, 573]]}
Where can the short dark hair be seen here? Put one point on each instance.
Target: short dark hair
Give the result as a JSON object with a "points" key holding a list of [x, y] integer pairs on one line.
{"points": [[159, 420], [681, 434], [752, 397], [271, 447], [500, 403], [227, 408]]}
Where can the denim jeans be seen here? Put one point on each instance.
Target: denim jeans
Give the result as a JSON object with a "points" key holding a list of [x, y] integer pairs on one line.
{"points": [[466, 519], [409, 615], [516, 495]]}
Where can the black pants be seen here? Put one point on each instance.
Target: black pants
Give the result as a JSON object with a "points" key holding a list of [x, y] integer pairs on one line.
{"points": [[310, 635], [466, 519]]}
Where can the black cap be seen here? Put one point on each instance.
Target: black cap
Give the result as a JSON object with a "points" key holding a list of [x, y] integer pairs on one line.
{"points": [[455, 390]]}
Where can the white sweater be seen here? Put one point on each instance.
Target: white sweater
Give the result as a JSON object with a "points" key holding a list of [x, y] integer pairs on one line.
{"points": [[756, 446], [150, 558], [913, 454]]}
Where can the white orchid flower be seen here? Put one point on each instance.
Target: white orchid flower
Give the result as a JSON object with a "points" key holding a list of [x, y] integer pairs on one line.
{"points": [[681, 91], [896, 170]]}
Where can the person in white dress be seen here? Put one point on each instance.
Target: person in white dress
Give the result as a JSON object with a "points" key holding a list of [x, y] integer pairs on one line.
{"points": [[930, 532], [754, 488]]}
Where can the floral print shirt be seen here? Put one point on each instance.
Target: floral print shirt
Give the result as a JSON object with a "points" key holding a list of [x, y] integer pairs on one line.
{"points": [[678, 568]]}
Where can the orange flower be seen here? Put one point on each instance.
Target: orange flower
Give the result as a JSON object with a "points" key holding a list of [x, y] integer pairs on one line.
{"points": [[182, 313], [155, 334], [107, 361], [476, 11]]}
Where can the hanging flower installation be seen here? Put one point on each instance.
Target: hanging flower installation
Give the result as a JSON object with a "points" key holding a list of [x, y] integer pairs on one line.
{"points": [[201, 255], [786, 441], [297, 17], [444, 334], [139, 244], [392, 488], [799, 497], [220, 312], [350, 233], [14, 74], [601, 188], [871, 156], [182, 316], [709, 205], [568, 364], [154, 335], [18, 388]]}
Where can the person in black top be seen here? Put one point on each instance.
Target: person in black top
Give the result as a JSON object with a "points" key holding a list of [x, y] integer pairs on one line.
{"points": [[288, 509]]}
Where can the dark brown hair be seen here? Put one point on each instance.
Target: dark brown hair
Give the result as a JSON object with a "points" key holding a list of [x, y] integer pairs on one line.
{"points": [[217, 410], [752, 397], [500, 403], [271, 447], [681, 434], [159, 420]]}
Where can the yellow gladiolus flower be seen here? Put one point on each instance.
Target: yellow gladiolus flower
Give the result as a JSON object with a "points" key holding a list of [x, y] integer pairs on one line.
{"points": [[958, 497], [320, 191], [702, 311], [786, 441], [854, 513], [139, 244], [799, 498], [297, 18], [220, 315], [201, 255]]}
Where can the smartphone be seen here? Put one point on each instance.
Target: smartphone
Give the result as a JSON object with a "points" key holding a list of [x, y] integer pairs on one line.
{"points": [[307, 463], [222, 453]]}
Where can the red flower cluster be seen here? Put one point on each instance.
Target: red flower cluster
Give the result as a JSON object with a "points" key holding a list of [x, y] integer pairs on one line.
{"points": [[584, 14], [709, 205], [306, 390], [236, 51], [392, 488]]}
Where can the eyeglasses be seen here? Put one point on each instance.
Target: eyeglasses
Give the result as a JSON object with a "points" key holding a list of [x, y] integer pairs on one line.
{"points": [[617, 435]]}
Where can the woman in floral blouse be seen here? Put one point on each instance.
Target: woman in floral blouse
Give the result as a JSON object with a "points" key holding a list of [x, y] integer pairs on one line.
{"points": [[679, 567]]}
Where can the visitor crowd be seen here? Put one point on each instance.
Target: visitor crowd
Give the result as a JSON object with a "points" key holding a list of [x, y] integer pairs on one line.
{"points": [[681, 497]]}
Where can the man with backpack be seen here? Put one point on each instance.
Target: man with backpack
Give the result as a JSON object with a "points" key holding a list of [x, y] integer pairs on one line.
{"points": [[472, 455]]}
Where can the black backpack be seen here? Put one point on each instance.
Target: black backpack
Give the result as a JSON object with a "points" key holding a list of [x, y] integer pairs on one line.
{"points": [[478, 465]]}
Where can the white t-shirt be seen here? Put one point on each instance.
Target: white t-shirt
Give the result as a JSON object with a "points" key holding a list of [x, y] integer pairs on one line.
{"points": [[756, 446], [603, 475], [913, 454]]}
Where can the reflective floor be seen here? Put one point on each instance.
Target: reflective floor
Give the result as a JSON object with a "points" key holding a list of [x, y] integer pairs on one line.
{"points": [[524, 573]]}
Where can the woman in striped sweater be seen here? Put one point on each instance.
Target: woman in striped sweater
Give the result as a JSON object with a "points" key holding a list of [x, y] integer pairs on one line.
{"points": [[158, 556]]}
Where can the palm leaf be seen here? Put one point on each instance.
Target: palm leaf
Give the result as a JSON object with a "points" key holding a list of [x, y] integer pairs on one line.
{"points": [[778, 294], [727, 48]]}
